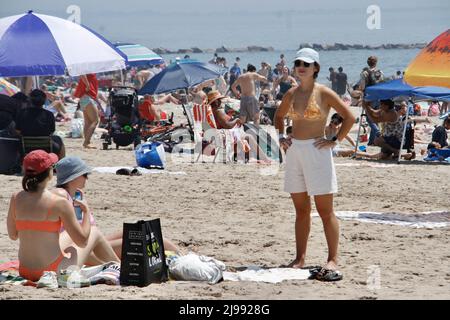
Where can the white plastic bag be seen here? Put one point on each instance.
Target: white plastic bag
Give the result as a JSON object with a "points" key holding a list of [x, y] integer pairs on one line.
{"points": [[198, 268], [76, 128]]}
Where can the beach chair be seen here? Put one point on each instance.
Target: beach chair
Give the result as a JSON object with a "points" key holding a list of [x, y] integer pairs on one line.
{"points": [[206, 132], [35, 143]]}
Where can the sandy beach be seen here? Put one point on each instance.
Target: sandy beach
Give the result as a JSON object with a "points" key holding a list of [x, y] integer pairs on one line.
{"points": [[237, 213]]}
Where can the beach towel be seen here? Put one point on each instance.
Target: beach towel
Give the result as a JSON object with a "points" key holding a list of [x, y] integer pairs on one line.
{"points": [[365, 164], [272, 275], [141, 170], [108, 273], [9, 274], [430, 219]]}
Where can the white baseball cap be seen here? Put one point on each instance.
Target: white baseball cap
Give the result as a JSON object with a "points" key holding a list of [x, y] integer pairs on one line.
{"points": [[308, 55]]}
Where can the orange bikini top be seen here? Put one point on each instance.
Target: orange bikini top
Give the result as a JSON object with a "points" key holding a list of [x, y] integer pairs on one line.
{"points": [[312, 111], [44, 225]]}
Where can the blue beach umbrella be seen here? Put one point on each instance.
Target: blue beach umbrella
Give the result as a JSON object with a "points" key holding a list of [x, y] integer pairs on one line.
{"points": [[182, 74], [138, 55], [38, 45]]}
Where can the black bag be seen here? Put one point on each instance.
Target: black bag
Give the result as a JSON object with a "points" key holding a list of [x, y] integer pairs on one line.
{"points": [[143, 258]]}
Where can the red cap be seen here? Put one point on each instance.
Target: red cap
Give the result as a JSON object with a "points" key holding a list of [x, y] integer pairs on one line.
{"points": [[38, 161]]}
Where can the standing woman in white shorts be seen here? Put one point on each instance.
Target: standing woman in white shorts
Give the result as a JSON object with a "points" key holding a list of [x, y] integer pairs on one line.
{"points": [[87, 91], [309, 162]]}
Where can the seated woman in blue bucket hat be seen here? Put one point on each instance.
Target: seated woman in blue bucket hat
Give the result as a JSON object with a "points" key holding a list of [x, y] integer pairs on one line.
{"points": [[72, 175]]}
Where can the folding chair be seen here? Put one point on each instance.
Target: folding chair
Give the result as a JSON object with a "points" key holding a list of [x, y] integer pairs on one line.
{"points": [[205, 129], [35, 143]]}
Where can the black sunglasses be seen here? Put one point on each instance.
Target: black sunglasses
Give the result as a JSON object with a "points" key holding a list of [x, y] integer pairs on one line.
{"points": [[298, 63]]}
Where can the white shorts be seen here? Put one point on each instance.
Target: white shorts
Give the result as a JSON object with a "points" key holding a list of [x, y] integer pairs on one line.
{"points": [[309, 169]]}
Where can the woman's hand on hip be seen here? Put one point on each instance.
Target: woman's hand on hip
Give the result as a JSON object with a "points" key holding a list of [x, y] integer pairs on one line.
{"points": [[324, 143], [285, 143]]}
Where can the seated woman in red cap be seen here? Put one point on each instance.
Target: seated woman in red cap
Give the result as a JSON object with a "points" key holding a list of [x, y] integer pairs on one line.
{"points": [[35, 217]]}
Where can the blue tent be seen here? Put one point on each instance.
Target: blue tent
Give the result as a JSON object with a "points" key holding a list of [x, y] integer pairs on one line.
{"points": [[438, 93], [398, 88], [388, 90]]}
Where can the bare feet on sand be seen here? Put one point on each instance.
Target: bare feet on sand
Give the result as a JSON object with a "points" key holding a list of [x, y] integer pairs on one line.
{"points": [[89, 146], [297, 264]]}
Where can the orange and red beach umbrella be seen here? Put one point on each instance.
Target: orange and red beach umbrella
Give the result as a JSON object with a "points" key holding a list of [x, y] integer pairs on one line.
{"points": [[431, 67]]}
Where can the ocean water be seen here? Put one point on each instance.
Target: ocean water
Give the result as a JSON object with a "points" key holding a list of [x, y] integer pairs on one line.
{"points": [[352, 61], [281, 24]]}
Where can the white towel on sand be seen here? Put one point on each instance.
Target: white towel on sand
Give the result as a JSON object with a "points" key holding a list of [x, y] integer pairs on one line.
{"points": [[430, 220], [273, 275]]}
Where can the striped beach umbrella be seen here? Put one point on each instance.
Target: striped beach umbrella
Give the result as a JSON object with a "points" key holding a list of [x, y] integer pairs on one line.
{"points": [[431, 67], [38, 45], [7, 88], [138, 55]]}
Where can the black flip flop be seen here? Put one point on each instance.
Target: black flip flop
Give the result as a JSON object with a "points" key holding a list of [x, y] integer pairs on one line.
{"points": [[313, 271], [329, 275], [135, 172], [124, 172]]}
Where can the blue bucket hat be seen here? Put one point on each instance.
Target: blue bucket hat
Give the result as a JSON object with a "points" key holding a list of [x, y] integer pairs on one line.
{"points": [[70, 168]]}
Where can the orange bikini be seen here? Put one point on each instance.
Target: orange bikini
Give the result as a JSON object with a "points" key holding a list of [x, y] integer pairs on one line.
{"points": [[42, 226], [312, 111]]}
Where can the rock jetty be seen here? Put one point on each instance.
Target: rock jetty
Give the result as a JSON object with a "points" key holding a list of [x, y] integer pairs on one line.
{"points": [[316, 46], [342, 46]]}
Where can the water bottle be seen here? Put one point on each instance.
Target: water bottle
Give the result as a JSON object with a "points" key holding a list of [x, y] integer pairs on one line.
{"points": [[78, 211]]}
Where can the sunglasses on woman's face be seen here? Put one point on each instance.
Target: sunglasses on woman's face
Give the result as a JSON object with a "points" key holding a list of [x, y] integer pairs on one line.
{"points": [[85, 175], [298, 63]]}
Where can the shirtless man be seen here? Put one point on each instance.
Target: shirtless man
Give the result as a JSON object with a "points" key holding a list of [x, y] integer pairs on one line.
{"points": [[142, 77], [249, 103]]}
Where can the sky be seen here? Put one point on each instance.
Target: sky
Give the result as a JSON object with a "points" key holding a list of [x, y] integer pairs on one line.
{"points": [[283, 24]]}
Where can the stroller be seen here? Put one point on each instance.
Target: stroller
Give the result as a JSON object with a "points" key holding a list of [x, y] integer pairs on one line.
{"points": [[123, 122]]}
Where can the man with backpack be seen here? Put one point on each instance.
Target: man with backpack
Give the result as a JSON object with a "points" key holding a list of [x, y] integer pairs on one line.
{"points": [[369, 77], [372, 75]]}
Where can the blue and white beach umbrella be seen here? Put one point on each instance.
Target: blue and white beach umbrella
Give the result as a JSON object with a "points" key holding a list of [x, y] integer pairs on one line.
{"points": [[138, 55], [36, 44], [181, 74]]}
